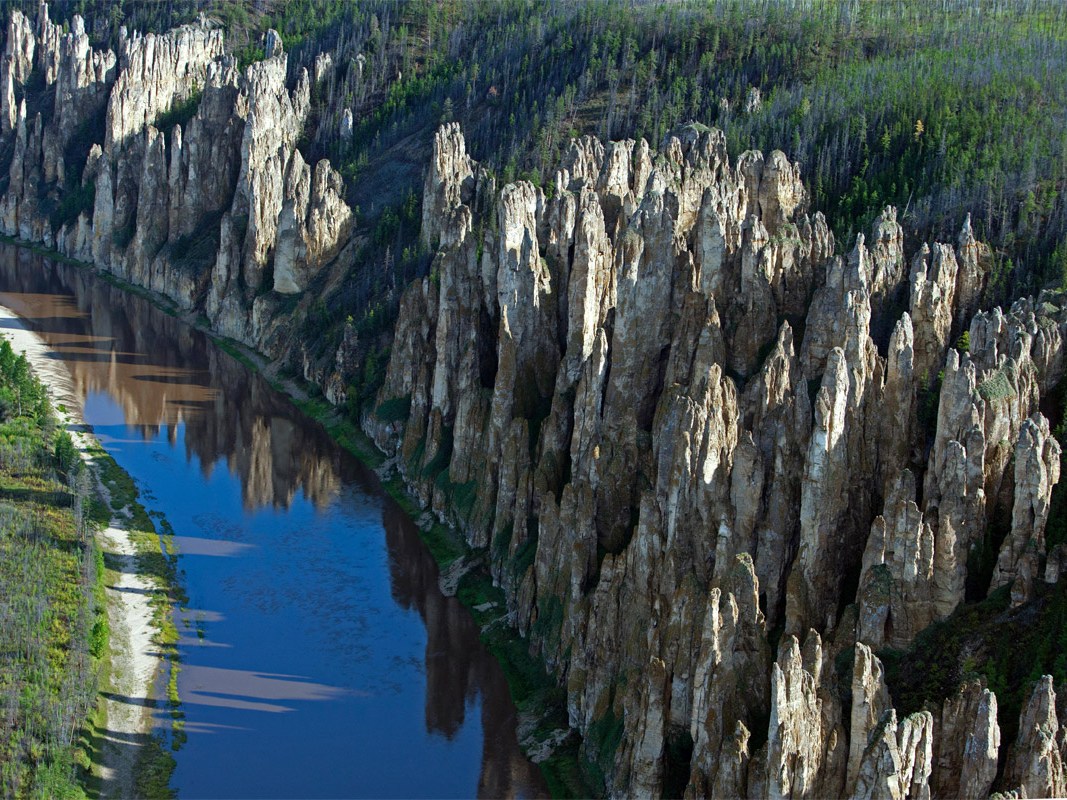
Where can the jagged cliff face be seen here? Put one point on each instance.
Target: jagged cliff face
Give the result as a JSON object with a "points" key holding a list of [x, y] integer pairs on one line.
{"points": [[715, 465], [678, 421], [220, 214]]}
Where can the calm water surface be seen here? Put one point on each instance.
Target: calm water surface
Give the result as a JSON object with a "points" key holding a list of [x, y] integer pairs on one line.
{"points": [[319, 658]]}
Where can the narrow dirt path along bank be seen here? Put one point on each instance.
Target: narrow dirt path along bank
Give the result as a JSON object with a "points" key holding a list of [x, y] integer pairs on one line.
{"points": [[135, 658]]}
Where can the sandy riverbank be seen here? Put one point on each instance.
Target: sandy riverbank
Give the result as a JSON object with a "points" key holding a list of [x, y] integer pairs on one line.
{"points": [[135, 660]]}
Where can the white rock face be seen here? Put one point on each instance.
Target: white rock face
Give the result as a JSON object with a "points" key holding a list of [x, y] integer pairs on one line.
{"points": [[155, 73], [272, 127], [15, 66], [1037, 470], [272, 44], [660, 388], [967, 743], [347, 123], [193, 211], [616, 366], [311, 223], [1036, 763]]}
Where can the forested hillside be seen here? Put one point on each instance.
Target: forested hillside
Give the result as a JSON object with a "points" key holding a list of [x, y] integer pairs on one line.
{"points": [[53, 628], [729, 334], [941, 109]]}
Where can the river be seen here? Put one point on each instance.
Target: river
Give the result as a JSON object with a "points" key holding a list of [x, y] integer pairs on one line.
{"points": [[319, 658]]}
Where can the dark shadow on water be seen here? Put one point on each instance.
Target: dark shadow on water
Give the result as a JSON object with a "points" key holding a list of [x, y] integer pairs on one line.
{"points": [[97, 344], [458, 667], [181, 380], [103, 357], [227, 417], [39, 324]]}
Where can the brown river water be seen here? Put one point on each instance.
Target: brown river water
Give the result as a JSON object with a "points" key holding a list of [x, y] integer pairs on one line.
{"points": [[319, 658]]}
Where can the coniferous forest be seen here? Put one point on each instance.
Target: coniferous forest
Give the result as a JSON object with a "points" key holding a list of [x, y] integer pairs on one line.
{"points": [[921, 121], [939, 108]]}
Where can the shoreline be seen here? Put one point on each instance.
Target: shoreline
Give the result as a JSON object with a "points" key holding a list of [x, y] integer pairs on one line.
{"points": [[126, 696], [550, 742]]}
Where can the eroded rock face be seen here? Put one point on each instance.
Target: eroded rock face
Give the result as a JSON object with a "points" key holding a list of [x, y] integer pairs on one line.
{"points": [[896, 763], [450, 170], [806, 751], [898, 596], [200, 212], [155, 72], [733, 645], [1037, 470], [870, 705], [670, 414], [15, 66], [314, 219], [1036, 760], [967, 743], [632, 426]]}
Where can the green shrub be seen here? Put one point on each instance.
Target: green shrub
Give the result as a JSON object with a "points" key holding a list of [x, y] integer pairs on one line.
{"points": [[73, 203], [65, 453], [179, 113], [396, 409]]}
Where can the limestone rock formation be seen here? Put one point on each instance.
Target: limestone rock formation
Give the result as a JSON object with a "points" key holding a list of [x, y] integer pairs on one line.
{"points": [[897, 593], [313, 220], [676, 423], [1037, 470], [155, 72], [199, 212], [896, 763], [870, 704], [806, 751], [613, 372], [967, 744], [1036, 761]]}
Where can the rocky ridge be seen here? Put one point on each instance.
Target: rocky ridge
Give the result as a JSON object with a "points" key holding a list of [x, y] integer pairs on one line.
{"points": [[217, 211], [624, 388]]}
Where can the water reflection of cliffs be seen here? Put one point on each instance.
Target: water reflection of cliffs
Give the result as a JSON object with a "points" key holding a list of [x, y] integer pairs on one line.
{"points": [[162, 373], [456, 671], [165, 375]]}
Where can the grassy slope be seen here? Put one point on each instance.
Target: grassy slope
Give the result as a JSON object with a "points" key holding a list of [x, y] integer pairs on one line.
{"points": [[53, 636]]}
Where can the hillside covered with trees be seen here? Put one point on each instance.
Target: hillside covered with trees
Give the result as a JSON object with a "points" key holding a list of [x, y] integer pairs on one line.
{"points": [[53, 626], [810, 380], [940, 109]]}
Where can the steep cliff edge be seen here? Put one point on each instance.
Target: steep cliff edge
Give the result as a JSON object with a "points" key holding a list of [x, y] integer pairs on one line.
{"points": [[653, 396], [166, 165], [728, 478]]}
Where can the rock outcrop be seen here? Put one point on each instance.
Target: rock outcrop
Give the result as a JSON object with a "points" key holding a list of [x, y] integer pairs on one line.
{"points": [[1036, 761], [219, 212], [685, 433], [155, 73], [967, 744], [607, 393]]}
